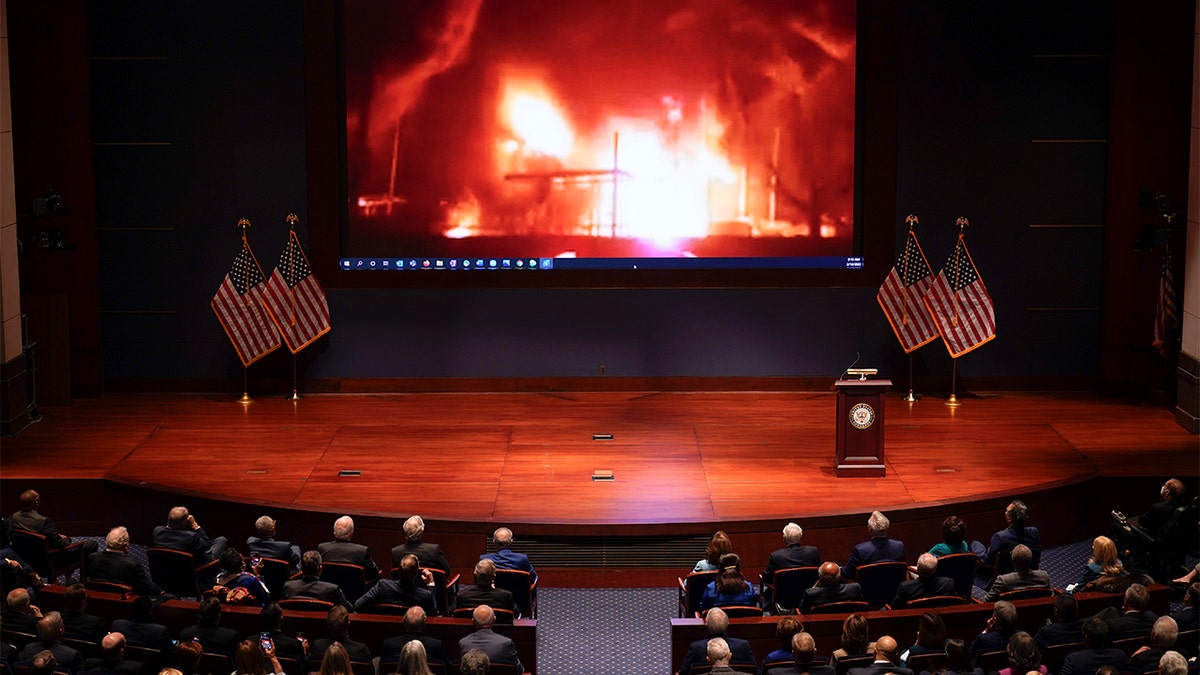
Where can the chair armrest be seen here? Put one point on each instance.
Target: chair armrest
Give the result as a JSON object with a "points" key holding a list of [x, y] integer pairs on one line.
{"points": [[452, 582], [207, 566]]}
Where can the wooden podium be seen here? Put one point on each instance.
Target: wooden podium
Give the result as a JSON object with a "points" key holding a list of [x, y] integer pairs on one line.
{"points": [[860, 428]]}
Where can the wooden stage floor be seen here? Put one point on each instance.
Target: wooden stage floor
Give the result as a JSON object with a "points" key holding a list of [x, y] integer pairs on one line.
{"points": [[529, 457]]}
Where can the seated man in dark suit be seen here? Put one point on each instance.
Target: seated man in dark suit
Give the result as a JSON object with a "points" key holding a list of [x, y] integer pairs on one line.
{"points": [[500, 649], [62, 549], [1016, 515], [1188, 618], [78, 623], [183, 533], [1022, 576], [414, 627], [116, 565], [998, 631], [1173, 663], [412, 588], [1132, 619], [310, 585], [484, 592], [717, 653], [20, 614], [213, 637], [830, 588], [267, 546], [1098, 652], [508, 559], [429, 555], [886, 653], [1066, 626], [927, 584], [343, 549], [43, 663], [1162, 638], [793, 554], [141, 631], [50, 632], [716, 621], [877, 549], [337, 624], [803, 652], [112, 658]]}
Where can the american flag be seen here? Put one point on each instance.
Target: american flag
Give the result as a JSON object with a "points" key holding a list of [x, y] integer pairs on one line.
{"points": [[1166, 316], [294, 298], [238, 304], [961, 305], [901, 295]]}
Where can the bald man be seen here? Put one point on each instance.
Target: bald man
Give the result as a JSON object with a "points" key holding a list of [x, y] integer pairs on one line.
{"points": [[716, 621], [19, 611], [344, 549], [414, 629], [112, 658], [63, 549], [831, 587], [498, 647], [183, 533], [886, 658]]}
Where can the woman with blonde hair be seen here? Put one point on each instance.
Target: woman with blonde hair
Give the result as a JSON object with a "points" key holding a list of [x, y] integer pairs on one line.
{"points": [[336, 660], [413, 660], [1104, 561], [719, 545]]}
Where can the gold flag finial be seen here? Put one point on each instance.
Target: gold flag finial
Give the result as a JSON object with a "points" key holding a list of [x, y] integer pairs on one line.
{"points": [[292, 219]]}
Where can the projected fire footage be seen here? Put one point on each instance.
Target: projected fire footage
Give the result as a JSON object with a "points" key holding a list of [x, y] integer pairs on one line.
{"points": [[600, 128]]}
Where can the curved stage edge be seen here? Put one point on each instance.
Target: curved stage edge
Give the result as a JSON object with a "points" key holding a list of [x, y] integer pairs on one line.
{"points": [[1072, 457]]}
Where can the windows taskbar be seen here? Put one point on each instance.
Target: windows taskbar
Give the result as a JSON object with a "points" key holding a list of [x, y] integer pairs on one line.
{"points": [[488, 264]]}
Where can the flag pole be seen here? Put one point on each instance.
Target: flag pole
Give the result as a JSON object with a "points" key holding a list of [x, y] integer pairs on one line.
{"points": [[962, 224], [911, 221], [244, 223], [292, 219]]}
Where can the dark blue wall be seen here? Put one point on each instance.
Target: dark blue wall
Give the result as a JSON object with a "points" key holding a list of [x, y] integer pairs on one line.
{"points": [[978, 84]]}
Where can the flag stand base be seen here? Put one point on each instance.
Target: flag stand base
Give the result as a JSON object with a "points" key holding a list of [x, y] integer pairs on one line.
{"points": [[953, 401], [295, 396], [911, 397], [245, 398]]}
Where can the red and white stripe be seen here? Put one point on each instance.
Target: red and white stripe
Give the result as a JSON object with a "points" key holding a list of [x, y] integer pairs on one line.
{"points": [[246, 322], [965, 319], [301, 313], [906, 312]]}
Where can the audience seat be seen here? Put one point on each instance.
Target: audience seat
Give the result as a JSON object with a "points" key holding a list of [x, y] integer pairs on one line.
{"points": [[736, 611], [845, 663], [934, 601], [275, 573], [291, 666], [880, 580], [705, 668], [108, 587], [306, 604], [783, 594], [503, 616], [176, 572], [152, 660], [846, 606], [524, 593], [691, 589], [214, 664], [990, 662], [1054, 655], [350, 577], [959, 567], [36, 552], [390, 608], [1026, 593], [930, 661]]}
